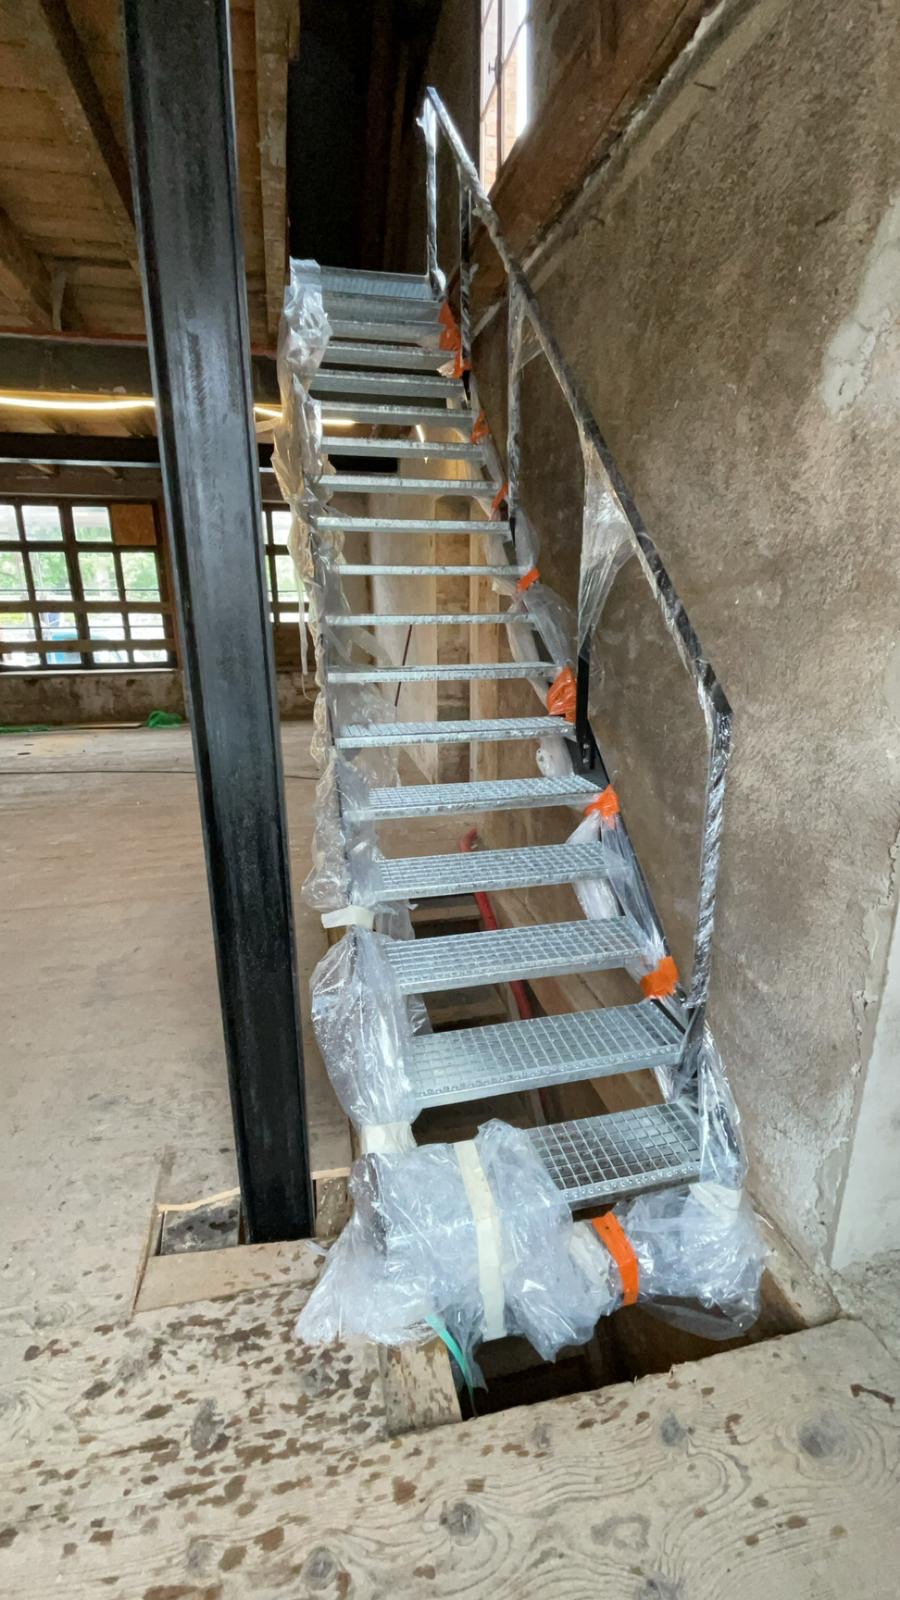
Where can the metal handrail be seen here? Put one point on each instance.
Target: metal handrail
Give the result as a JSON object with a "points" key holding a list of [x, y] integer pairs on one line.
{"points": [[523, 304]]}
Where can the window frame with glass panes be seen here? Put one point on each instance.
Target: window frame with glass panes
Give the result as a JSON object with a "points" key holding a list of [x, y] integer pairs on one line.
{"points": [[504, 96], [113, 609]]}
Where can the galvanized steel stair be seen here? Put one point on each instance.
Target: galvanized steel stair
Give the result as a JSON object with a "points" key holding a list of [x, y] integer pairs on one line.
{"points": [[383, 358]]}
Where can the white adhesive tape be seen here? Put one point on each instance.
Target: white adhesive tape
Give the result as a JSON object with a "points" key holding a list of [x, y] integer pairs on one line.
{"points": [[488, 1236], [386, 1138], [349, 917]]}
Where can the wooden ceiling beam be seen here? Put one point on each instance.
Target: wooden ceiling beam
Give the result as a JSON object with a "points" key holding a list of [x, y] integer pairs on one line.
{"points": [[276, 42], [61, 68], [24, 280]]}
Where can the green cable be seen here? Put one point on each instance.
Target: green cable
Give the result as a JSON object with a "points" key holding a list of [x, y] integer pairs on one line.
{"points": [[444, 1333]]}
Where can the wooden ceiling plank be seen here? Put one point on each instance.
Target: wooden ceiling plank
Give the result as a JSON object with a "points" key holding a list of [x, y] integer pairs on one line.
{"points": [[62, 69], [24, 279], [274, 34]]}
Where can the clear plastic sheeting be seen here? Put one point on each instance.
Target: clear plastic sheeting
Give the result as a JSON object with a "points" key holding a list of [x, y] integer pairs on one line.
{"points": [[607, 543], [415, 1255], [364, 1028], [342, 866], [299, 463]]}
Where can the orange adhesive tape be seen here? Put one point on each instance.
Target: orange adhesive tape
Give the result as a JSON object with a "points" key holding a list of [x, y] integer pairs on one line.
{"points": [[606, 803], [499, 498], [480, 429], [561, 695], [662, 981], [530, 577], [621, 1249]]}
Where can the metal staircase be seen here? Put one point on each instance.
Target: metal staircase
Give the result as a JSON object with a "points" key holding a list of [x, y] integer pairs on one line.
{"points": [[381, 371]]}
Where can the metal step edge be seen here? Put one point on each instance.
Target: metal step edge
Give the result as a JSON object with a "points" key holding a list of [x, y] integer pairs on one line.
{"points": [[375, 735], [397, 416], [513, 1057], [403, 449], [437, 876], [454, 799], [418, 619], [350, 524], [380, 330], [608, 1158], [389, 483], [417, 386], [352, 569], [403, 357], [376, 309], [354, 280], [457, 672], [549, 950]]}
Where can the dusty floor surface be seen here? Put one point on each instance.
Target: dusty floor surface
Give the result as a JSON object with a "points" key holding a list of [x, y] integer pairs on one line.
{"points": [[194, 1451]]}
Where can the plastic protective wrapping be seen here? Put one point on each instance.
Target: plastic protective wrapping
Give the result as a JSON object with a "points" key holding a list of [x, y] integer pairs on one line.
{"points": [[415, 1255], [607, 542], [365, 1029]]}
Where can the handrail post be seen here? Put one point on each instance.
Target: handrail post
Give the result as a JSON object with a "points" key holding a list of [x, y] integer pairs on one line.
{"points": [[429, 127], [515, 316], [465, 271]]}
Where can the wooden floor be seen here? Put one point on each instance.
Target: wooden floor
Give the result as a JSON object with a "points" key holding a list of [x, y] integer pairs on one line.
{"points": [[182, 1445]]}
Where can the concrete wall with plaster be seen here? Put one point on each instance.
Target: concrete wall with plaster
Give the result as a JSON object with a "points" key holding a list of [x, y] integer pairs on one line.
{"points": [[727, 290]]}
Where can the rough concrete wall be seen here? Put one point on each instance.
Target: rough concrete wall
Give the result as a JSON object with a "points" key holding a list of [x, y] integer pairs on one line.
{"points": [[728, 295]]}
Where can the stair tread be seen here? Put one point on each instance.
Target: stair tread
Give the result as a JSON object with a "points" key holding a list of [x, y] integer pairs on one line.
{"points": [[358, 281], [511, 1057], [418, 386], [532, 866], [394, 331], [359, 569], [396, 416], [350, 524], [606, 1158], [360, 736], [419, 619], [394, 483], [426, 966], [499, 794], [457, 672], [403, 357], [403, 449]]}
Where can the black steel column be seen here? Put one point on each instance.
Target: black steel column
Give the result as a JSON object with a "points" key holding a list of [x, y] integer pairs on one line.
{"points": [[181, 127]]}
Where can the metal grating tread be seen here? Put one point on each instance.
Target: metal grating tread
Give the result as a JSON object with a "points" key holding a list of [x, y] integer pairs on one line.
{"points": [[426, 966], [456, 672], [350, 524], [513, 1057], [418, 619], [418, 386], [499, 794], [429, 877], [375, 735], [403, 449], [392, 483], [624, 1153], [390, 332], [353, 569], [406, 357], [383, 308], [397, 416], [354, 280]]}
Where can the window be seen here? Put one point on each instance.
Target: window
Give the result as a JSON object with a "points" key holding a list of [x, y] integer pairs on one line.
{"points": [[284, 592], [505, 80], [82, 586]]}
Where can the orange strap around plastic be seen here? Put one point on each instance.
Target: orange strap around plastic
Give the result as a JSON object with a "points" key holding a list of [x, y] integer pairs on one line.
{"points": [[499, 498], [480, 429], [606, 803], [561, 695], [662, 981], [622, 1251], [530, 577]]}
